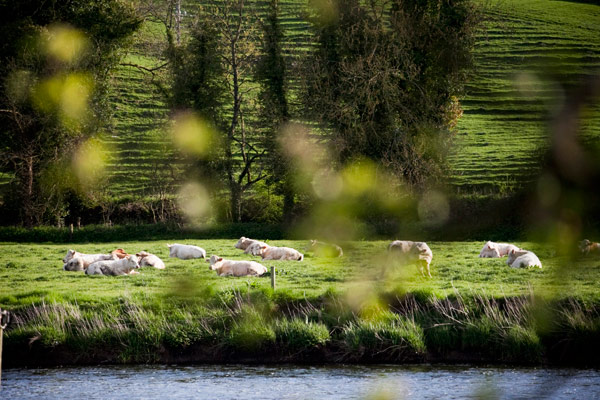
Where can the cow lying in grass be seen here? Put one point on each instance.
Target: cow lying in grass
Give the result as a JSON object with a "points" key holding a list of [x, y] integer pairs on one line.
{"points": [[235, 268], [250, 246], [76, 261], [119, 253], [123, 266], [523, 259], [75, 264], [496, 250], [322, 249], [413, 253], [279, 253], [186, 251], [150, 259], [587, 247]]}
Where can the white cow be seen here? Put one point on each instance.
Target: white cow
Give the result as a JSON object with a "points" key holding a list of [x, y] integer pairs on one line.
{"points": [[235, 268], [496, 250], [523, 259], [250, 246], [323, 249], [186, 251], [280, 253], [122, 266], [244, 242], [150, 259], [87, 259], [256, 248], [413, 253], [74, 264]]}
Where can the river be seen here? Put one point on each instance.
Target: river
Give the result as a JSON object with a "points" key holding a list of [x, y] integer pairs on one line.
{"points": [[300, 382]]}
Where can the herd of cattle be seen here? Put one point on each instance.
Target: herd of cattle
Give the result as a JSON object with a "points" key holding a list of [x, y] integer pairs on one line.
{"points": [[118, 262]]}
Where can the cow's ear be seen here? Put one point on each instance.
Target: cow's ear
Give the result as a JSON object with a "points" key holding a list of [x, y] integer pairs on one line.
{"points": [[263, 247], [220, 259]]}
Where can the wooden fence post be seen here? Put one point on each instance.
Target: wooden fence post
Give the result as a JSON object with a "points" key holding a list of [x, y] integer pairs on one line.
{"points": [[4, 318], [273, 277]]}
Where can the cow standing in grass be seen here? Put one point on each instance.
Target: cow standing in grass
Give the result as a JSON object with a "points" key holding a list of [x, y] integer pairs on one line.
{"points": [[409, 252], [322, 249]]}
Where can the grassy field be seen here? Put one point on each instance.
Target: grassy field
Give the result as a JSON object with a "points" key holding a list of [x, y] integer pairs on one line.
{"points": [[359, 308], [33, 272]]}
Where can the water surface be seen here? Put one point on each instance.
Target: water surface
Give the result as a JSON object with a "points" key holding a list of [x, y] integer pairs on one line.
{"points": [[299, 382]]}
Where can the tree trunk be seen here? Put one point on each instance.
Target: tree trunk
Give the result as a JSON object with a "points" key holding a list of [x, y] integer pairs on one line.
{"points": [[28, 206], [288, 200], [236, 203], [178, 22]]}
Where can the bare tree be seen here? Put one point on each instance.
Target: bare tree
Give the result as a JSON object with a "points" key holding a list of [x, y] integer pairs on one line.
{"points": [[213, 75]]}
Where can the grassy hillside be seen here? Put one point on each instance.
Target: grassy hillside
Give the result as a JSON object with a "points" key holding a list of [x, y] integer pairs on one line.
{"points": [[532, 51]]}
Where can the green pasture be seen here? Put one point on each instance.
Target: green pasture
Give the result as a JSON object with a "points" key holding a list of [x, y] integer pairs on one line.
{"points": [[32, 273], [531, 53]]}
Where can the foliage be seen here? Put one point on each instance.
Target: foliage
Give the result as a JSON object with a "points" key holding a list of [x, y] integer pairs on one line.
{"points": [[395, 339], [298, 335], [55, 63], [251, 334], [383, 80], [221, 57], [272, 74], [198, 72]]}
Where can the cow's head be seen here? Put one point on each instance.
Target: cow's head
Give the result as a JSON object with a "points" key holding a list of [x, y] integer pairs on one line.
{"points": [[132, 261], [214, 262], [70, 254]]}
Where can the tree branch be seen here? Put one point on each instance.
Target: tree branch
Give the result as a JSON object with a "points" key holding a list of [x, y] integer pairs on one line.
{"points": [[141, 67]]}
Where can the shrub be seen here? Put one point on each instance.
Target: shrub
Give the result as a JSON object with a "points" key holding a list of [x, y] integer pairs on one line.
{"points": [[251, 333], [388, 340], [522, 344], [299, 335]]}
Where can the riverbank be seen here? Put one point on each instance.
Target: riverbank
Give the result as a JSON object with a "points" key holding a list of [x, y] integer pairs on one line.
{"points": [[257, 327]]}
